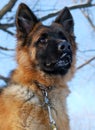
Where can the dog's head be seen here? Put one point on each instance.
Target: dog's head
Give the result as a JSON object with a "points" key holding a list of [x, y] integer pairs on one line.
{"points": [[47, 48]]}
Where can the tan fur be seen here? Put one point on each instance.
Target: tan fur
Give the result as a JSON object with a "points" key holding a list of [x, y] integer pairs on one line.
{"points": [[20, 105], [24, 111]]}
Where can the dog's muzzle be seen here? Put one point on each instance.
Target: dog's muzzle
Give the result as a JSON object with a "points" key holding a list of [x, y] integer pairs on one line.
{"points": [[65, 58], [60, 59]]}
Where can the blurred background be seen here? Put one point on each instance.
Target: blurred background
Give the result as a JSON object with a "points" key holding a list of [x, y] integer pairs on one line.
{"points": [[81, 101]]}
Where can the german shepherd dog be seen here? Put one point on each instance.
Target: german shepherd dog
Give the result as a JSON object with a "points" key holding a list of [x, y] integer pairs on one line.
{"points": [[35, 98]]}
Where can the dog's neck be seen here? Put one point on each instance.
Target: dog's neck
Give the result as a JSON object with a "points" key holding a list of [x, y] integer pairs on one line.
{"points": [[47, 102], [26, 78]]}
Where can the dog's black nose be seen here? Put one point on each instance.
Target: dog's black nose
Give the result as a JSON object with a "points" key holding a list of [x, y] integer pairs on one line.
{"points": [[64, 46]]}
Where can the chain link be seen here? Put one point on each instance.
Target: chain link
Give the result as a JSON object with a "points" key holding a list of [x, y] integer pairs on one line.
{"points": [[47, 102]]}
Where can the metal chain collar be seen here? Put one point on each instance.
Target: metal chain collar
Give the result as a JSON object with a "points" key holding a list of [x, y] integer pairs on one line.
{"points": [[44, 90], [47, 102]]}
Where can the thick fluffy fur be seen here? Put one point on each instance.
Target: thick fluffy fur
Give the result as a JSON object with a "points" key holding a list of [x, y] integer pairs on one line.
{"points": [[21, 102]]}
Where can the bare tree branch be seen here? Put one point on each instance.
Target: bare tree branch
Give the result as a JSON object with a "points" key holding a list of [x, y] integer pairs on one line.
{"points": [[4, 78], [7, 8], [86, 15], [6, 26], [88, 18], [9, 32], [84, 51], [35, 4], [89, 1], [86, 63], [6, 49], [76, 6], [79, 6]]}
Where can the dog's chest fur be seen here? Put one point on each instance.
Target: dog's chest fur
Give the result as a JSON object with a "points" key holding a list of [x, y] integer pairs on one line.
{"points": [[31, 113]]}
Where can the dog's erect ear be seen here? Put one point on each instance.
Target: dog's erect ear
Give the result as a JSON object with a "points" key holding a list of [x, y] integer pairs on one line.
{"points": [[25, 19], [66, 20]]}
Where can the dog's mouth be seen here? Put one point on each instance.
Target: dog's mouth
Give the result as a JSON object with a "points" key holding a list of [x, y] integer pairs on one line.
{"points": [[59, 66], [63, 61]]}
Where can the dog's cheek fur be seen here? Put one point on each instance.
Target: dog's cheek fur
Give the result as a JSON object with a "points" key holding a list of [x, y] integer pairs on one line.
{"points": [[22, 57]]}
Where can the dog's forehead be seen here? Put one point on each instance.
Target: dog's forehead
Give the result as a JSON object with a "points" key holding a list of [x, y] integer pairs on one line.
{"points": [[51, 30]]}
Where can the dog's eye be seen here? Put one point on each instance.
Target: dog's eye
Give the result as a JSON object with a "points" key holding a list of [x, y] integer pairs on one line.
{"points": [[43, 40]]}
